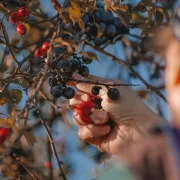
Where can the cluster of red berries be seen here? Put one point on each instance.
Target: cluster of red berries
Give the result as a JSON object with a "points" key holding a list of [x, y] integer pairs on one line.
{"points": [[42, 50], [17, 17], [84, 110], [4, 134]]}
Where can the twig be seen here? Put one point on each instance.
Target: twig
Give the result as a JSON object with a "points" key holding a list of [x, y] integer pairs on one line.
{"points": [[102, 84], [7, 41], [20, 162], [128, 66], [50, 139]]}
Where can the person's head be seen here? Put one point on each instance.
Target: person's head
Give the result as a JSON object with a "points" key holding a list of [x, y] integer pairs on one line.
{"points": [[169, 46]]}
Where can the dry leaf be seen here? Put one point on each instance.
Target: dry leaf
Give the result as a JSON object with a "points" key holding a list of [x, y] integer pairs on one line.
{"points": [[100, 30], [7, 123], [74, 12], [89, 55], [16, 94]]}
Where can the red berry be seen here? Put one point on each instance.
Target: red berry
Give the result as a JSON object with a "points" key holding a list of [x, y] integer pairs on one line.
{"points": [[4, 134], [21, 29], [23, 12], [47, 164], [14, 18], [45, 46], [57, 5], [38, 52]]}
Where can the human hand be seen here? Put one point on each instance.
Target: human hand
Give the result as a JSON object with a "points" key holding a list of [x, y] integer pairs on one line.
{"points": [[132, 118]]}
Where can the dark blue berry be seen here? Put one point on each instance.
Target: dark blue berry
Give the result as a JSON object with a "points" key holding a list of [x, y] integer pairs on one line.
{"points": [[95, 90], [68, 93], [91, 32], [98, 41], [67, 37], [85, 18], [64, 66], [107, 17], [83, 71], [74, 65], [97, 16], [130, 7], [117, 22], [57, 91], [110, 30], [86, 60], [113, 94]]}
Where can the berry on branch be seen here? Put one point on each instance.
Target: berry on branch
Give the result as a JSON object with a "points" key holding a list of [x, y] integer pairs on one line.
{"points": [[23, 12], [21, 29], [45, 46], [38, 52], [113, 94], [14, 18], [57, 91], [68, 93]]}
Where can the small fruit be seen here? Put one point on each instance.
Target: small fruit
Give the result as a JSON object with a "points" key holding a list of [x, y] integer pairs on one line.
{"points": [[64, 65], [97, 16], [95, 90], [4, 134], [74, 65], [45, 46], [83, 71], [21, 29], [85, 18], [110, 30], [47, 164], [23, 12], [38, 52], [117, 22], [68, 93], [14, 18], [57, 91], [98, 41], [113, 93], [92, 32], [107, 17], [86, 60]]}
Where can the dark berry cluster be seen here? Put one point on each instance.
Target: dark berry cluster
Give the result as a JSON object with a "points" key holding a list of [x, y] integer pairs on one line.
{"points": [[100, 26], [18, 17], [61, 70]]}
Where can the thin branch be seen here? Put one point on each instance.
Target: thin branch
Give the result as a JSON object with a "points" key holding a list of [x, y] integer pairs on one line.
{"points": [[50, 139], [20, 162], [102, 84], [128, 66]]}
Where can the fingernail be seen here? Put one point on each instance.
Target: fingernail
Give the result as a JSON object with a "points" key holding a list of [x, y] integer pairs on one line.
{"points": [[99, 116], [78, 77]]}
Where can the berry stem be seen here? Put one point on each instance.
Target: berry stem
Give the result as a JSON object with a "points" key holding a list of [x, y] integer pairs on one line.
{"points": [[101, 84]]}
